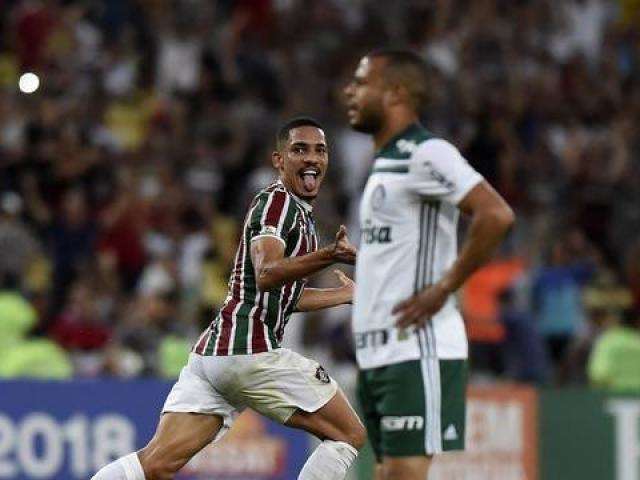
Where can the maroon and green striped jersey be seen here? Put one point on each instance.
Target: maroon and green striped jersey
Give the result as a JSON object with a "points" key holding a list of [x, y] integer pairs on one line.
{"points": [[250, 320]]}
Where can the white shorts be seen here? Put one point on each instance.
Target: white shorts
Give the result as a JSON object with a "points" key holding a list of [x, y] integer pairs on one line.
{"points": [[274, 383]]}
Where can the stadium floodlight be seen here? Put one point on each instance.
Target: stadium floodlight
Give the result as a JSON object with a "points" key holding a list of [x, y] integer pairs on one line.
{"points": [[29, 82]]}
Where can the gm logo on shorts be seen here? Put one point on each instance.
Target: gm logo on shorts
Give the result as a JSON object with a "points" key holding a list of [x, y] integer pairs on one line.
{"points": [[395, 424]]}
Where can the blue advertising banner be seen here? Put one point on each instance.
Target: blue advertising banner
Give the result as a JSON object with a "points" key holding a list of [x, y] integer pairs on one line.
{"points": [[68, 430]]}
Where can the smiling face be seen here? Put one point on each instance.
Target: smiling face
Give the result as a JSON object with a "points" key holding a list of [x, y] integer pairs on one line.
{"points": [[302, 161], [365, 96]]}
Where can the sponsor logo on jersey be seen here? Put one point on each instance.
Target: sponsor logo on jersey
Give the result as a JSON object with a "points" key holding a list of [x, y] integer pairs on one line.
{"points": [[395, 424], [438, 176], [450, 433], [371, 338], [375, 233], [322, 375], [377, 197]]}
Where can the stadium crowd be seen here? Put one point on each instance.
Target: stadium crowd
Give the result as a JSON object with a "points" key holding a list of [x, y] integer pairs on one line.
{"points": [[124, 177]]}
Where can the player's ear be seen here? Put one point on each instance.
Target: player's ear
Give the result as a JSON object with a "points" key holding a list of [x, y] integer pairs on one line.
{"points": [[396, 93], [277, 160]]}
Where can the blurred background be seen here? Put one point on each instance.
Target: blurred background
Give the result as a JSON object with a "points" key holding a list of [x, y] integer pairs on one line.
{"points": [[128, 161]]}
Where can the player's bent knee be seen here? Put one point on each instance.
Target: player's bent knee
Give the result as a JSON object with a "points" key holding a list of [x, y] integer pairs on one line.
{"points": [[158, 467], [355, 435], [157, 470]]}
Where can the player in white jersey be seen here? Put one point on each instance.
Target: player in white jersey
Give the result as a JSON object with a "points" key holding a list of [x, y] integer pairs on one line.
{"points": [[410, 338]]}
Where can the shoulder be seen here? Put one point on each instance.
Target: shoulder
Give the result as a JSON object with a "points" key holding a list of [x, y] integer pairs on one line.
{"points": [[440, 170], [273, 190], [436, 152], [436, 160], [273, 206], [273, 195]]}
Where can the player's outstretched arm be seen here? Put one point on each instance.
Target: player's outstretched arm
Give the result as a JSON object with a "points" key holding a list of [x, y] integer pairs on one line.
{"points": [[491, 219], [272, 269], [319, 298]]}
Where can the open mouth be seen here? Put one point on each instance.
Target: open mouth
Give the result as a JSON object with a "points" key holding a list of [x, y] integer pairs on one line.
{"points": [[352, 112], [310, 178]]}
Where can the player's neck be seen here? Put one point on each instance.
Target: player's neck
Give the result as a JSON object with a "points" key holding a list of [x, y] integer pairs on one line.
{"points": [[392, 127]]}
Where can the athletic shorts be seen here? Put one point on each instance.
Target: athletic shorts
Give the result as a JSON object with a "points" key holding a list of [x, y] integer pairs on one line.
{"points": [[274, 383], [415, 407]]}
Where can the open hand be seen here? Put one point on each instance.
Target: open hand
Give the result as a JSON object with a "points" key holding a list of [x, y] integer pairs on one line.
{"points": [[343, 250], [419, 308], [346, 285]]}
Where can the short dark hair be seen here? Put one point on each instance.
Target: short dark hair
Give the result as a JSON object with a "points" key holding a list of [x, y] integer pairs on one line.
{"points": [[407, 68], [283, 132]]}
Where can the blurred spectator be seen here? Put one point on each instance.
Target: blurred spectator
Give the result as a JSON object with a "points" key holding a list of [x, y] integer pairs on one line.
{"points": [[39, 358], [80, 330], [481, 308], [159, 277], [17, 316], [524, 351], [150, 331], [21, 356], [34, 23], [173, 354], [557, 299], [72, 236], [20, 248], [121, 236], [613, 364], [633, 272], [606, 299]]}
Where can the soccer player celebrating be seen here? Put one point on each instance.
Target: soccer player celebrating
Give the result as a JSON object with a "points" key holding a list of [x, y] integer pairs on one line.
{"points": [[238, 362], [410, 338]]}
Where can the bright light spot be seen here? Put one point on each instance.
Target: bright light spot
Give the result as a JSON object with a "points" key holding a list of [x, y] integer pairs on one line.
{"points": [[29, 82]]}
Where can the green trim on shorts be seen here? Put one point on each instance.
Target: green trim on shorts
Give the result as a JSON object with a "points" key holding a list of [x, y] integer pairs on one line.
{"points": [[414, 408]]}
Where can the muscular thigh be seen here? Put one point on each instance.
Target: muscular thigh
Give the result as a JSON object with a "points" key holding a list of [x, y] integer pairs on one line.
{"points": [[197, 397], [180, 436]]}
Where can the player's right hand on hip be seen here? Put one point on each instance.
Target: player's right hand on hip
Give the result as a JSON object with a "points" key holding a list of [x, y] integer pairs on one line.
{"points": [[419, 308], [343, 250]]}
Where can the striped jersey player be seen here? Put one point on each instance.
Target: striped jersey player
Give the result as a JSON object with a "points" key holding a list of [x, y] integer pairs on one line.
{"points": [[238, 362], [250, 320]]}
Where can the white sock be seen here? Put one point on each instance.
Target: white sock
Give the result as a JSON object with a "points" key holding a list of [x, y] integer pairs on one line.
{"points": [[330, 461], [125, 468]]}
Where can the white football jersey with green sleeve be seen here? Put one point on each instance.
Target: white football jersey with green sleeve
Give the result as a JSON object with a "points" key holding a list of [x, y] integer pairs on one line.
{"points": [[408, 219]]}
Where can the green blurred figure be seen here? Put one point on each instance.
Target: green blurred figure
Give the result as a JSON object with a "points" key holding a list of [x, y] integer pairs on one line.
{"points": [[21, 357], [173, 355], [614, 363]]}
